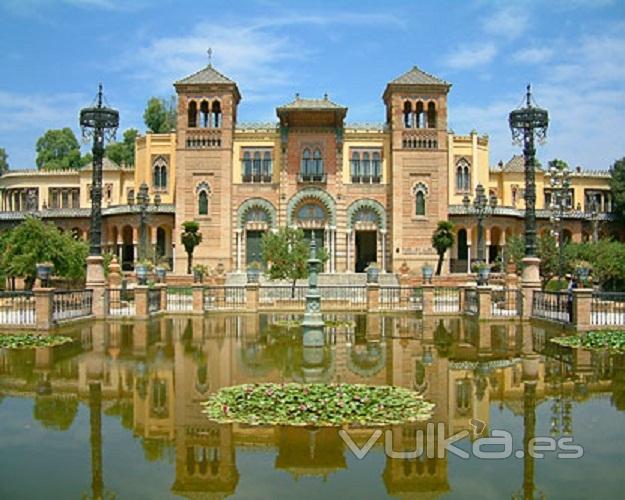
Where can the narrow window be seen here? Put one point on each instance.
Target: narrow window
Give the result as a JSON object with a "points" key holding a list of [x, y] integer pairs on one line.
{"points": [[203, 203], [467, 179], [420, 203], [204, 119], [366, 165], [408, 114], [355, 166], [247, 166], [192, 114], [318, 162], [216, 109], [267, 166], [419, 118], [306, 161], [459, 179], [431, 115]]}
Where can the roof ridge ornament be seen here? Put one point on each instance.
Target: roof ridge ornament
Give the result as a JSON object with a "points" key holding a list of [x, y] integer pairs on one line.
{"points": [[210, 57]]}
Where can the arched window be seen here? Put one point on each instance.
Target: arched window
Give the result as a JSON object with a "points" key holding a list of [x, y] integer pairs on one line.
{"points": [[467, 178], [160, 242], [256, 165], [306, 161], [431, 115], [159, 173], [366, 165], [420, 203], [266, 165], [408, 114], [419, 116], [202, 203], [459, 179], [463, 175], [204, 114], [311, 212], [216, 109], [356, 166], [192, 112], [376, 167], [318, 162], [247, 166]]}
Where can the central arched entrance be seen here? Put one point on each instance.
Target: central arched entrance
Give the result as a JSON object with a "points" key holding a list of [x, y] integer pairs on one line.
{"points": [[366, 221], [254, 218]]}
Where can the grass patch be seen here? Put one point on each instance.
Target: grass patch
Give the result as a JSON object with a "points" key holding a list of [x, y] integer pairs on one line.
{"points": [[613, 340], [32, 341], [320, 405]]}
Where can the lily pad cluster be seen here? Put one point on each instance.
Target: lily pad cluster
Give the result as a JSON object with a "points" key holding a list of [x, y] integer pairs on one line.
{"points": [[320, 405], [613, 340], [32, 341]]}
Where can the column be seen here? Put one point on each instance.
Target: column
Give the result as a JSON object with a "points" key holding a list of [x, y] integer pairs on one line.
{"points": [[348, 234], [468, 257], [383, 242], [239, 233], [333, 247]]}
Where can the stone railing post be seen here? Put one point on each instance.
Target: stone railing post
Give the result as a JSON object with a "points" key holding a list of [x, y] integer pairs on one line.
{"points": [[461, 299], [251, 297], [141, 302], [428, 299], [198, 298], [582, 302], [99, 306], [44, 307], [373, 297], [527, 296], [484, 301], [163, 288]]}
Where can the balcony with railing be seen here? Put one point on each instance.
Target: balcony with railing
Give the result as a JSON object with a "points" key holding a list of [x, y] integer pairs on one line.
{"points": [[203, 138]]}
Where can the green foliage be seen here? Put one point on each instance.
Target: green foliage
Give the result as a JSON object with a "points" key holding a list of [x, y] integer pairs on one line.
{"points": [[558, 164], [4, 161], [31, 341], [123, 153], [607, 258], [613, 340], [515, 251], [190, 238], [160, 115], [56, 412], [34, 241], [442, 240], [287, 252], [58, 149], [547, 251], [617, 185], [317, 404]]}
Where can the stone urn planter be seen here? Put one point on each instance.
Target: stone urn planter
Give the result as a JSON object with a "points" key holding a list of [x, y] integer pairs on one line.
{"points": [[373, 273], [141, 271], [161, 274], [427, 271], [44, 272], [254, 271]]}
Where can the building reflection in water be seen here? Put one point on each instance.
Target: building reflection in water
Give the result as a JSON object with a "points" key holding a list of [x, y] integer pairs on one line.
{"points": [[152, 376]]}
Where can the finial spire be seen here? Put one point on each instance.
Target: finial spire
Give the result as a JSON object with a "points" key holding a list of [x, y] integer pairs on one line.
{"points": [[100, 95], [529, 95], [210, 56]]}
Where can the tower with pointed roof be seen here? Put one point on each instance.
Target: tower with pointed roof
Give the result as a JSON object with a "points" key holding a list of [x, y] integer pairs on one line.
{"points": [[207, 111], [416, 117]]}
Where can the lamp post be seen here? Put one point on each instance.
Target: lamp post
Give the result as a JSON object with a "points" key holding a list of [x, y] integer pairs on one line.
{"points": [[482, 204], [527, 124], [100, 123], [560, 203], [143, 202], [594, 219]]}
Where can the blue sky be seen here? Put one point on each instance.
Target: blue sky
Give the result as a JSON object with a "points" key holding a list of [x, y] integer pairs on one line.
{"points": [[53, 53]]}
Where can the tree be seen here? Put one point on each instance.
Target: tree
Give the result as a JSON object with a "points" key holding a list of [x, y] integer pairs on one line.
{"points": [[617, 185], [190, 238], [58, 149], [123, 153], [4, 162], [287, 252], [558, 164], [160, 115], [546, 250], [34, 241], [442, 240]]}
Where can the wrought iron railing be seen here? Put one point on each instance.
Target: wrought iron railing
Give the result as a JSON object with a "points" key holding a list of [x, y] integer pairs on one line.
{"points": [[121, 301], [401, 298], [347, 295], [471, 301], [17, 308], [446, 300], [68, 304], [607, 308], [224, 298], [179, 298], [332, 296], [506, 302], [282, 295], [555, 306], [154, 300]]}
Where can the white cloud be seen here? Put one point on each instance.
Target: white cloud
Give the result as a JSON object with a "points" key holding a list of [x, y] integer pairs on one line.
{"points": [[508, 22], [471, 56], [535, 55]]}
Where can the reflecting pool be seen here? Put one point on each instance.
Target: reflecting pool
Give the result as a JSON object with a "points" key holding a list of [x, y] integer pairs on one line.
{"points": [[117, 413]]}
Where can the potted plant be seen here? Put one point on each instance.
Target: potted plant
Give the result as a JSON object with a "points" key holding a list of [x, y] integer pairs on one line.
{"points": [[254, 271], [142, 268], [373, 272], [483, 272], [582, 270], [199, 271], [44, 272], [427, 271]]}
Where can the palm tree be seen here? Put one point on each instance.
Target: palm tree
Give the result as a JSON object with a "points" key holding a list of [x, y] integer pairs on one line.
{"points": [[190, 238], [442, 240]]}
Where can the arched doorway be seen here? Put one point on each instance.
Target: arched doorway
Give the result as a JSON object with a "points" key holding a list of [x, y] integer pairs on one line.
{"points": [[161, 243], [254, 218], [128, 249], [366, 220], [495, 244], [311, 216]]}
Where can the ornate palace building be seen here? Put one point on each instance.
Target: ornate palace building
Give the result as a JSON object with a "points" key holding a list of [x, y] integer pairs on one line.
{"points": [[367, 193]]}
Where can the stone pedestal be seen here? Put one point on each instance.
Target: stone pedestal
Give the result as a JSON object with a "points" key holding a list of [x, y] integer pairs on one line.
{"points": [[97, 283], [373, 297], [251, 297], [198, 298], [115, 274], [141, 302], [582, 301], [428, 299], [484, 307], [530, 282], [44, 307], [163, 288]]}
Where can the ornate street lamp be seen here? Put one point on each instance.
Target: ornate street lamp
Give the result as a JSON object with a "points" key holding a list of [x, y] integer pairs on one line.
{"points": [[143, 202], [100, 123], [560, 203], [482, 205], [526, 124]]}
